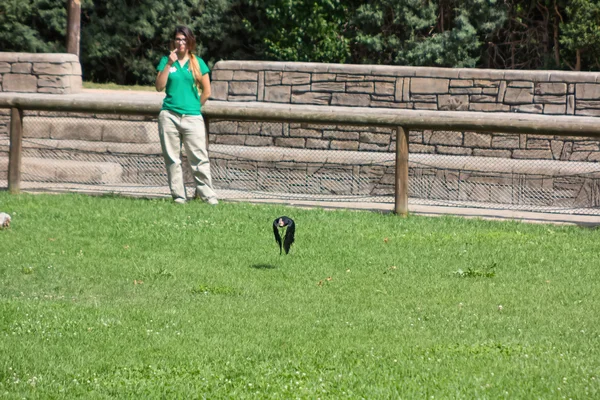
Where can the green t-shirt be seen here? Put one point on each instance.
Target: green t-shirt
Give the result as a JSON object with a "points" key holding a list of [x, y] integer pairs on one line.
{"points": [[182, 95]]}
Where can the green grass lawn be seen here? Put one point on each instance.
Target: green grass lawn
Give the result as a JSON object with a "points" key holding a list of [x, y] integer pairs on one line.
{"points": [[114, 86], [108, 297]]}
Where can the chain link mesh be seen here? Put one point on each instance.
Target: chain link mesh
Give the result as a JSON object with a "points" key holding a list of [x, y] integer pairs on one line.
{"points": [[289, 161]]}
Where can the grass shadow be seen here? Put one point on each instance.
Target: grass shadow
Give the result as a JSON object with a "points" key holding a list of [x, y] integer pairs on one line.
{"points": [[263, 266]]}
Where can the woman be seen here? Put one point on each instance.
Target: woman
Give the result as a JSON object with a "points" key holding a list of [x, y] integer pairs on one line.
{"points": [[180, 120]]}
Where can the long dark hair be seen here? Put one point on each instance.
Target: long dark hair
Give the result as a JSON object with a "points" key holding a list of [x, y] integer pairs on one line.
{"points": [[190, 41]]}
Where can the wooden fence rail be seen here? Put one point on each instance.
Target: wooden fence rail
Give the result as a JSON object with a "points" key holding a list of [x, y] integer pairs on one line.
{"points": [[401, 120]]}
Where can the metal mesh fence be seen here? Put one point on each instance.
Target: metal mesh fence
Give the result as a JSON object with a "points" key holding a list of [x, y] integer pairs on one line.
{"points": [[291, 161], [4, 146]]}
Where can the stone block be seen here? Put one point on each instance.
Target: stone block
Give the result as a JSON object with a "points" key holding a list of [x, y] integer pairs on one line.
{"points": [[236, 140], [425, 106], [349, 78], [587, 91], [258, 141], [505, 141], [447, 138], [317, 144], [453, 102], [466, 90], [384, 88], [19, 83], [550, 99], [558, 109], [533, 154], [37, 128], [243, 88], [518, 95], [300, 89], [323, 78], [485, 83], [290, 142], [311, 98], [219, 89], [305, 133], [278, 94], [21, 68], [54, 90], [489, 107], [328, 86], [223, 127], [248, 128], [455, 151], [343, 145], [376, 138], [243, 97], [424, 98], [341, 135], [520, 84], [73, 129], [372, 147], [528, 108], [129, 131], [429, 85], [398, 89], [76, 68], [585, 146], [245, 76], [295, 78], [347, 99], [5, 67], [272, 128], [570, 104], [421, 148], [54, 81], [480, 98], [461, 83], [221, 75], [546, 88], [538, 144], [492, 153], [360, 87], [272, 78], [490, 91], [474, 139], [44, 68]]}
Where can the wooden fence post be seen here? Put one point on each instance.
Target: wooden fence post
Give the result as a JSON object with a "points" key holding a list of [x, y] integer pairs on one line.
{"points": [[73, 26], [15, 150], [401, 189]]}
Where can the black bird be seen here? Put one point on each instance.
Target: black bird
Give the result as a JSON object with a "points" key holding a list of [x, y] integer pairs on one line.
{"points": [[287, 225]]}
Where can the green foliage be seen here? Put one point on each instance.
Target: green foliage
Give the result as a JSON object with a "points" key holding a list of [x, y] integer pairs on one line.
{"points": [[412, 32], [580, 36], [302, 30], [122, 41], [33, 26]]}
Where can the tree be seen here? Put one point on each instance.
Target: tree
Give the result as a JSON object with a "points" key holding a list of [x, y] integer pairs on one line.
{"points": [[580, 37], [299, 30], [33, 26], [447, 33]]}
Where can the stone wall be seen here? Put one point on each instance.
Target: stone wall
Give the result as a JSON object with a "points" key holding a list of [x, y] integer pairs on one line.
{"points": [[420, 88], [41, 73]]}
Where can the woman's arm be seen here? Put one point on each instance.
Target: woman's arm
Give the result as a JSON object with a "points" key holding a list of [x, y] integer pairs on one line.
{"points": [[163, 76], [205, 86]]}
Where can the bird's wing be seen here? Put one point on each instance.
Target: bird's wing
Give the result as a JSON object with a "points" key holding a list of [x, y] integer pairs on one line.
{"points": [[289, 235], [276, 232]]}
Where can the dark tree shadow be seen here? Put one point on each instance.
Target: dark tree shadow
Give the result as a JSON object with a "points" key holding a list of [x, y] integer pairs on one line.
{"points": [[263, 266]]}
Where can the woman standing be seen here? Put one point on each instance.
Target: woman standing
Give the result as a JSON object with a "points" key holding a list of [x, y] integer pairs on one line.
{"points": [[180, 121]]}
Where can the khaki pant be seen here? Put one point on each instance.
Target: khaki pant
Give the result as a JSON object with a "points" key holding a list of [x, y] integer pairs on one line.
{"points": [[175, 130]]}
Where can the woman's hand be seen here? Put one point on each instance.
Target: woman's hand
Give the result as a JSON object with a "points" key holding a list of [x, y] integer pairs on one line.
{"points": [[172, 57], [163, 76]]}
